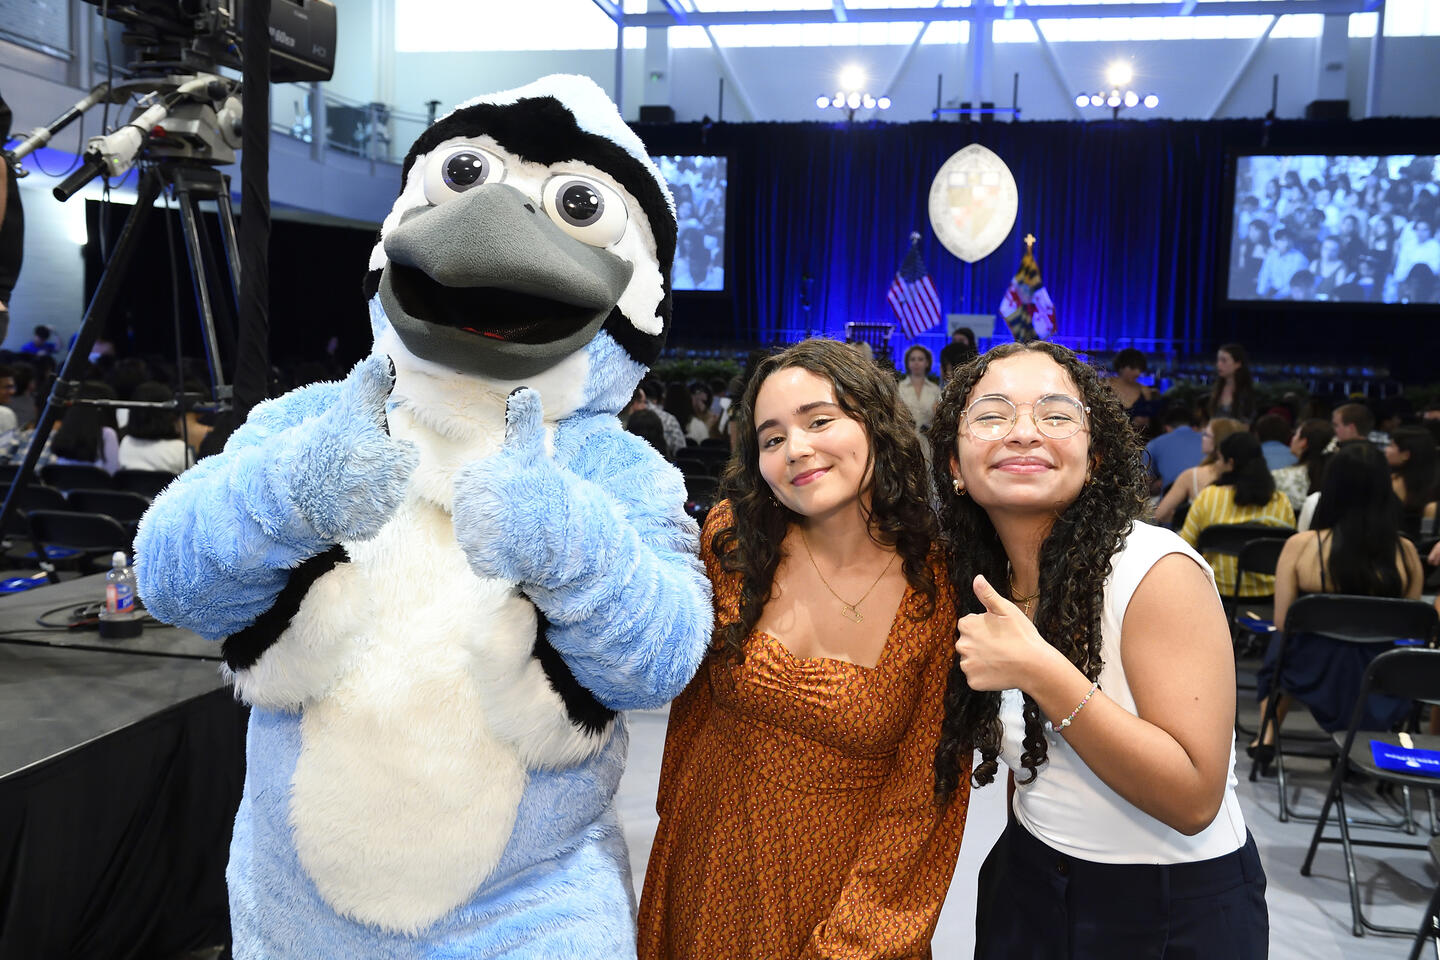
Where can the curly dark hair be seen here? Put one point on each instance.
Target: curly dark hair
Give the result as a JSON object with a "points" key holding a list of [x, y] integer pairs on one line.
{"points": [[1074, 558], [900, 513]]}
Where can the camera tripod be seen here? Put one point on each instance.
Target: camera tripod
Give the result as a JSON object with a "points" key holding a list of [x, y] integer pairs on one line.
{"points": [[191, 183]]}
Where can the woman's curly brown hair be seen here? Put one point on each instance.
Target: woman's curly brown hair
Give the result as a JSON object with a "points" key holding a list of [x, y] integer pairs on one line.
{"points": [[1074, 558], [900, 512]]}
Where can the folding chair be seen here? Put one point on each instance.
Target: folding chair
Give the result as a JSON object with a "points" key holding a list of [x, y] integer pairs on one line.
{"points": [[147, 483], [701, 490], [1352, 619], [1251, 635], [90, 535], [1228, 539], [123, 505], [1429, 931], [69, 476], [1407, 673]]}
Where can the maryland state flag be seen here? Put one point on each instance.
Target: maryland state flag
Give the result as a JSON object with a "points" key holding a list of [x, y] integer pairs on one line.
{"points": [[1026, 307]]}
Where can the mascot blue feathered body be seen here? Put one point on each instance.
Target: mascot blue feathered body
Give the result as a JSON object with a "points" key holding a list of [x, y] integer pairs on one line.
{"points": [[441, 580]]}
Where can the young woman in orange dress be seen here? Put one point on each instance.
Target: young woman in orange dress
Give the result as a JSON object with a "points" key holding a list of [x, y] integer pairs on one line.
{"points": [[799, 816]]}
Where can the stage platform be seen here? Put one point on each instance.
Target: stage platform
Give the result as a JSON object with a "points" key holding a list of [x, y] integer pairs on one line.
{"points": [[121, 764]]}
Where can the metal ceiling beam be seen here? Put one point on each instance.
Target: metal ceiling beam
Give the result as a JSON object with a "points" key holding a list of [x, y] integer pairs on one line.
{"points": [[1201, 8], [895, 74], [611, 9], [681, 15], [841, 13], [1065, 88], [1009, 9], [1244, 65], [1187, 8]]}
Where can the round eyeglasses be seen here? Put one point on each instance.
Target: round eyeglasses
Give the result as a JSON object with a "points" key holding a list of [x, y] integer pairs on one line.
{"points": [[1056, 416]]}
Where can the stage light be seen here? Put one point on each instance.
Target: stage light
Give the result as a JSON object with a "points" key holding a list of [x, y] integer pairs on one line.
{"points": [[1152, 101], [852, 77], [1097, 100], [822, 102], [1114, 99], [1083, 100], [1131, 98], [838, 103], [1119, 73], [867, 101], [853, 101], [883, 103]]}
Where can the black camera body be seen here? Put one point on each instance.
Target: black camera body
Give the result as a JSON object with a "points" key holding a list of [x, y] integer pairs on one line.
{"points": [[199, 36]]}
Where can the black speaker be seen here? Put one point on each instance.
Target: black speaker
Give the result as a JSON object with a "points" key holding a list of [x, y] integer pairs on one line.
{"points": [[656, 113], [1327, 110]]}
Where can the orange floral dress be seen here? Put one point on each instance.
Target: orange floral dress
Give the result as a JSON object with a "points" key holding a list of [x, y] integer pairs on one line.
{"points": [[797, 805]]}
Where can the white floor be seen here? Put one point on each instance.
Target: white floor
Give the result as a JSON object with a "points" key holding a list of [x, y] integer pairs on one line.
{"points": [[1309, 916]]}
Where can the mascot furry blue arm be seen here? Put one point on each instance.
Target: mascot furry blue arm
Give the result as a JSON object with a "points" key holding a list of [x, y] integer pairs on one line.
{"points": [[438, 581]]}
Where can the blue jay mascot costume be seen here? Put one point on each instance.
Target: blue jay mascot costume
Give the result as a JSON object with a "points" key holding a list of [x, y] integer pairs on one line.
{"points": [[440, 580]]}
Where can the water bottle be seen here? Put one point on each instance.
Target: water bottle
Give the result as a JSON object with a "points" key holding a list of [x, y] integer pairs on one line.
{"points": [[119, 619]]}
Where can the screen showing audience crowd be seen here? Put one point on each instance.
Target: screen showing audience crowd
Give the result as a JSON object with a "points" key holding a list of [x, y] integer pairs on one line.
{"points": [[698, 184], [1338, 229]]}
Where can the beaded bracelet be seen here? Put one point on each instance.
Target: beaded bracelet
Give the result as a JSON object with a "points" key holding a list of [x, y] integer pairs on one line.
{"points": [[1057, 727]]}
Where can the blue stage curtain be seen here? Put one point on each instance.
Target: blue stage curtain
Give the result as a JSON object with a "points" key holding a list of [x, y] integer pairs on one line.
{"points": [[1131, 219]]}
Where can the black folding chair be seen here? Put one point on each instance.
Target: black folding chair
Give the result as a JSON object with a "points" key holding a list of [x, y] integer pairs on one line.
{"points": [[689, 468], [1229, 539], [1429, 931], [1251, 634], [70, 476], [1408, 673], [1351, 619], [123, 505], [90, 535], [147, 483], [715, 457]]}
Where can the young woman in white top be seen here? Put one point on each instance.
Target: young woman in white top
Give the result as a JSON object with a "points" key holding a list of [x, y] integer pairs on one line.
{"points": [[1096, 662], [152, 440], [917, 391]]}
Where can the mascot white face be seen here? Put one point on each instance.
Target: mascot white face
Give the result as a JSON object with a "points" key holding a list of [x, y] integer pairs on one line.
{"points": [[532, 227]]}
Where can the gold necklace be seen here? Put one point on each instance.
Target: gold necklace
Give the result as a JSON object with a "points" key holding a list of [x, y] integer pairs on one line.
{"points": [[851, 611], [1020, 601]]}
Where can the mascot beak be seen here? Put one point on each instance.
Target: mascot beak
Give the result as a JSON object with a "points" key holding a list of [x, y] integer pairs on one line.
{"points": [[487, 284]]}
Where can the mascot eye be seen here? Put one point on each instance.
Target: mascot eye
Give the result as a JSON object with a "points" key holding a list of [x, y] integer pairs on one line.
{"points": [[449, 174], [587, 210]]}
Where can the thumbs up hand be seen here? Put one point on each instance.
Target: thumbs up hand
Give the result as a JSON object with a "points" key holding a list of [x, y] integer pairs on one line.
{"points": [[999, 649], [510, 508]]}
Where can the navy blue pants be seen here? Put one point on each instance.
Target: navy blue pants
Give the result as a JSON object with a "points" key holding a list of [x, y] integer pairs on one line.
{"points": [[1036, 903]]}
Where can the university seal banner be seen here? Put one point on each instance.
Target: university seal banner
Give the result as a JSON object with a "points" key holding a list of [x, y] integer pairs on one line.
{"points": [[973, 201]]}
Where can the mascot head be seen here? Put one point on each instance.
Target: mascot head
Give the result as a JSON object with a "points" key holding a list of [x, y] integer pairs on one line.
{"points": [[532, 235]]}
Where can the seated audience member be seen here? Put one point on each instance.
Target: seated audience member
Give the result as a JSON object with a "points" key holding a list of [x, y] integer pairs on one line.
{"points": [[41, 344], [8, 418], [1244, 493], [1352, 421], [705, 422], [1280, 264], [953, 356], [1412, 459], [87, 436], [1191, 482], [1355, 548], [1176, 450], [680, 405], [1274, 435], [1308, 444], [23, 401], [1137, 400], [152, 441], [654, 400], [646, 425]]}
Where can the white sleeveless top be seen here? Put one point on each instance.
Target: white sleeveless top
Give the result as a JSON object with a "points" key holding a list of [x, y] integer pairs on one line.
{"points": [[1066, 805]]}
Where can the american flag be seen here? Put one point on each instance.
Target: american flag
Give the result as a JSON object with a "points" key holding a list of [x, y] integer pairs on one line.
{"points": [[912, 295]]}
